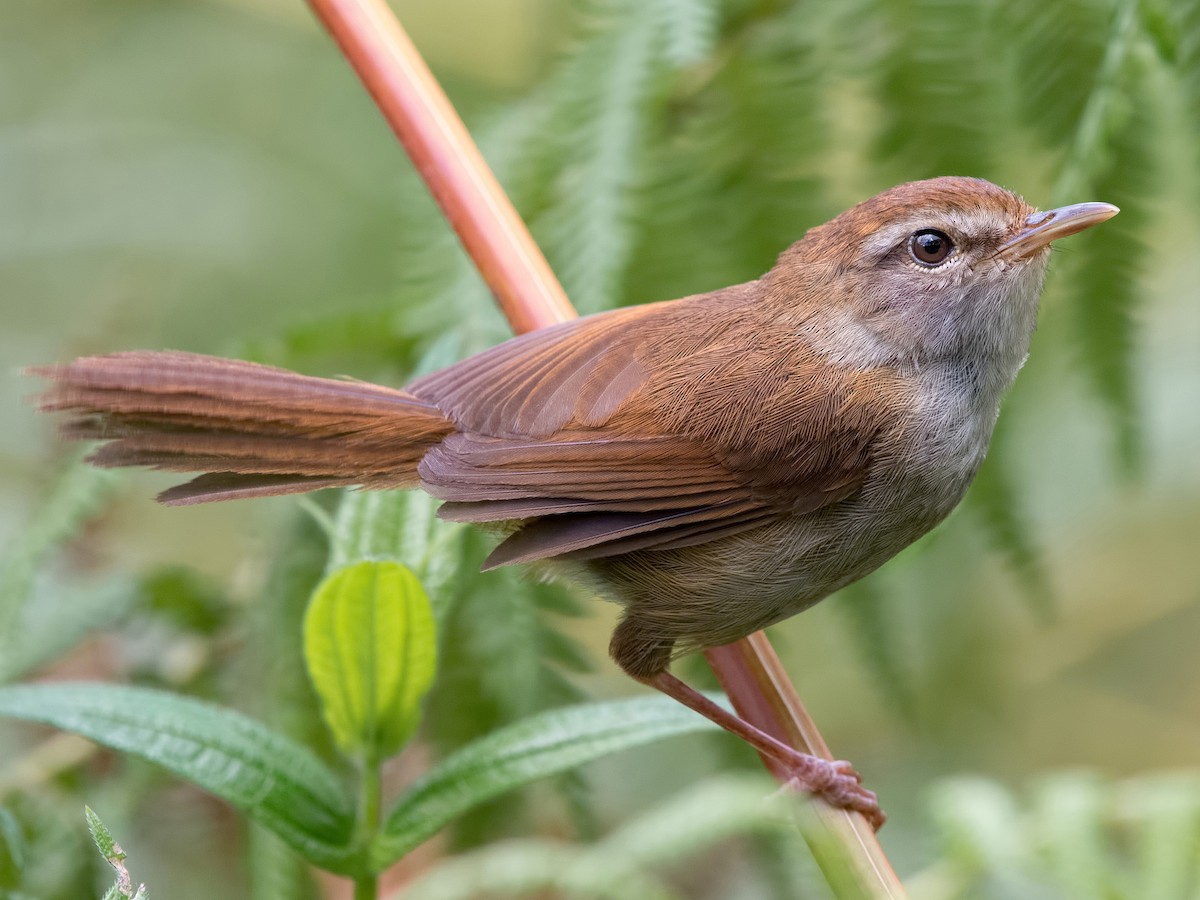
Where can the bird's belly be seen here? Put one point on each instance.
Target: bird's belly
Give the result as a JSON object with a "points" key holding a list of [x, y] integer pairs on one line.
{"points": [[718, 592]]}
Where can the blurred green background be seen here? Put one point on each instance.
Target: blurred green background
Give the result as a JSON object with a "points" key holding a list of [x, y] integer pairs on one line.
{"points": [[208, 175]]}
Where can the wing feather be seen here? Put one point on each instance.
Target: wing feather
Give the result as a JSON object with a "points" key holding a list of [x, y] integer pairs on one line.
{"points": [[650, 428]]}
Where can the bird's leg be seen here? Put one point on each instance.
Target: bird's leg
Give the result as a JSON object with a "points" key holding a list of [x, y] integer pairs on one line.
{"points": [[834, 781]]}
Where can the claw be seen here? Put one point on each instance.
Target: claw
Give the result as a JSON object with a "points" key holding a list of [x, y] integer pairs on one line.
{"points": [[838, 784]]}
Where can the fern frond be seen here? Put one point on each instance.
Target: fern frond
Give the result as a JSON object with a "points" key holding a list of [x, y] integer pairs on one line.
{"points": [[54, 621], [78, 496], [1185, 28], [732, 168], [1057, 48], [1118, 166], [996, 499], [600, 100], [500, 660], [1107, 107], [936, 90], [865, 609], [689, 29]]}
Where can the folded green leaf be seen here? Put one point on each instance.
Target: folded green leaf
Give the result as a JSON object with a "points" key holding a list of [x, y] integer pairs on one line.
{"points": [[542, 745], [371, 651], [274, 781], [401, 526]]}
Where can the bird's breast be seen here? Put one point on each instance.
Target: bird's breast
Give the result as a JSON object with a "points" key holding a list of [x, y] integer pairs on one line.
{"points": [[938, 447]]}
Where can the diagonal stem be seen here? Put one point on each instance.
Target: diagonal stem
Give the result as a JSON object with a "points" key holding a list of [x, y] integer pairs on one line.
{"points": [[419, 112]]}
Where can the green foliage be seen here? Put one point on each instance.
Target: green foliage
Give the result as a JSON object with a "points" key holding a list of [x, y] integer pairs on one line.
{"points": [[401, 526], [78, 496], [727, 177], [371, 651], [1056, 50], [867, 612], [669, 147], [1078, 835], [1106, 279], [271, 779], [115, 857], [37, 622], [1110, 154], [541, 745], [621, 864], [504, 657], [937, 88], [598, 102], [997, 500], [1180, 27], [283, 787], [12, 850]]}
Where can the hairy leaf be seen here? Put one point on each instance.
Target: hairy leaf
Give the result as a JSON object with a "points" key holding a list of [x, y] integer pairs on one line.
{"points": [[272, 780], [542, 745], [370, 648]]}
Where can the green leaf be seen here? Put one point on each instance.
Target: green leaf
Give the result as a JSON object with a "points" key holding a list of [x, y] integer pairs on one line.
{"points": [[1111, 159], [370, 648], [501, 623], [400, 526], [689, 29], [115, 857], [701, 816], [102, 837], [729, 181], [1106, 281], [274, 781], [1185, 26], [542, 745], [979, 823]]}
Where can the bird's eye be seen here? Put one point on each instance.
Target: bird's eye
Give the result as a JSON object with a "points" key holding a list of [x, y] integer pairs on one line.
{"points": [[930, 247]]}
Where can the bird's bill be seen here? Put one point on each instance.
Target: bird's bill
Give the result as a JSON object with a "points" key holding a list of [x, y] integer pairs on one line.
{"points": [[1043, 227]]}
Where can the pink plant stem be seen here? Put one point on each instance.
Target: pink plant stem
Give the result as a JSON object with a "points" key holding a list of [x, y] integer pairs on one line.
{"points": [[530, 297]]}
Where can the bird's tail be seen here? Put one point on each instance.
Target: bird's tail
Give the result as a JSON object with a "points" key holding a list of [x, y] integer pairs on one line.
{"points": [[253, 430]]}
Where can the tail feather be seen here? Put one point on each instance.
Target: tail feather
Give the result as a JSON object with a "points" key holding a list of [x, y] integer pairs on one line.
{"points": [[256, 430]]}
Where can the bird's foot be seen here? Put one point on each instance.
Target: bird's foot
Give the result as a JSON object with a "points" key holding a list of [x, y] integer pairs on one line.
{"points": [[837, 783]]}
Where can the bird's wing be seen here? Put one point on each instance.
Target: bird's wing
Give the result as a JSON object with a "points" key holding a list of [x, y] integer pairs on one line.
{"points": [[646, 428]]}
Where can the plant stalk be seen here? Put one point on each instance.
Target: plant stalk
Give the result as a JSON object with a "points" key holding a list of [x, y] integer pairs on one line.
{"points": [[530, 297], [366, 884]]}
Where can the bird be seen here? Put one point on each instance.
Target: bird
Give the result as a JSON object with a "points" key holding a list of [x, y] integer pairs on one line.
{"points": [[715, 464]]}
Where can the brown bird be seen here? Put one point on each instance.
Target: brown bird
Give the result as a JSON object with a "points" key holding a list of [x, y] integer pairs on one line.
{"points": [[715, 464]]}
